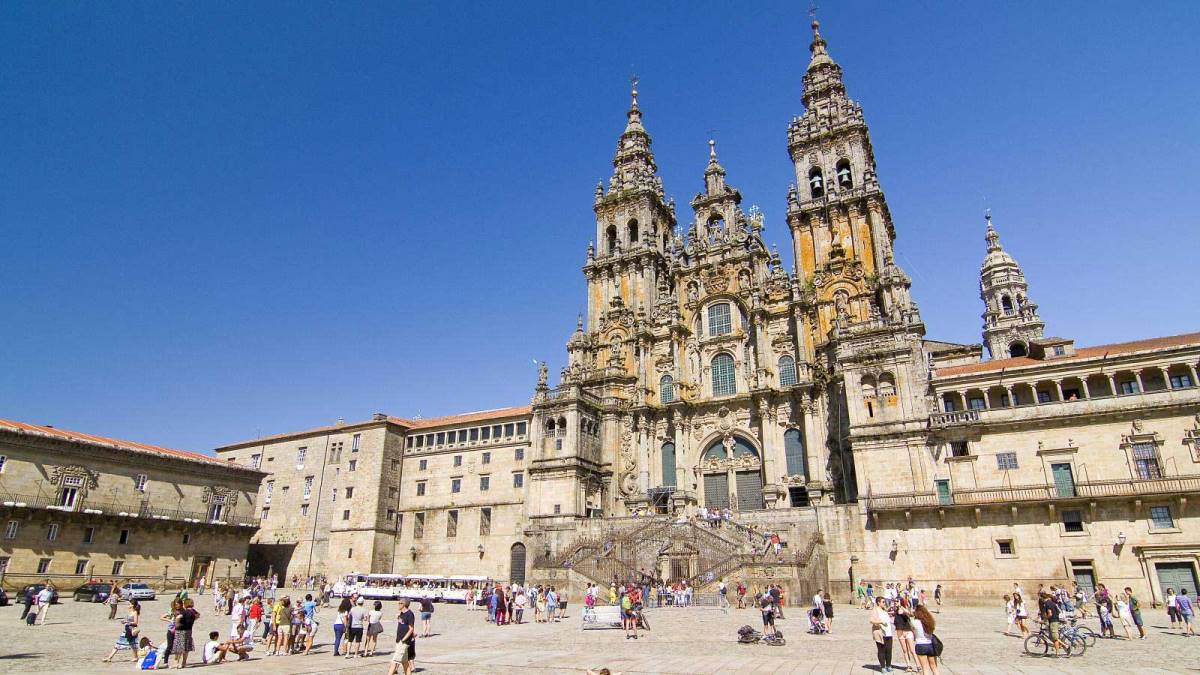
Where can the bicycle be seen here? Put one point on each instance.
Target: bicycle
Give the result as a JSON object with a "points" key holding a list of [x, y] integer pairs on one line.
{"points": [[1040, 643]]}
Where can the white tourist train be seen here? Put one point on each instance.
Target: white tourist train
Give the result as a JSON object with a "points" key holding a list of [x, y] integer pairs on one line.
{"points": [[436, 587]]}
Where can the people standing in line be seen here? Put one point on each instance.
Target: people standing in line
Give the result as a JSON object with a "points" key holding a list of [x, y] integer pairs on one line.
{"points": [[358, 617], [1186, 610], [183, 644], [406, 641], [340, 619], [883, 631], [1172, 608]]}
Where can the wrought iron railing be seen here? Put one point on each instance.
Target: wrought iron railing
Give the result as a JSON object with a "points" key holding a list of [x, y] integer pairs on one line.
{"points": [[1038, 492], [112, 507]]}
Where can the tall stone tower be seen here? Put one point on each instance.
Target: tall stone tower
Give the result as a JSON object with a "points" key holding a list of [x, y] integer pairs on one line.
{"points": [[1010, 319], [863, 331]]}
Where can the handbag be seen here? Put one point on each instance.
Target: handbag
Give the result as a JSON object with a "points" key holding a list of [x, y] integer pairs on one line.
{"points": [[937, 645]]}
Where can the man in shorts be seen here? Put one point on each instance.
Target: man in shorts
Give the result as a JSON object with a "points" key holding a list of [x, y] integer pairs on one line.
{"points": [[768, 613], [406, 641], [358, 618]]}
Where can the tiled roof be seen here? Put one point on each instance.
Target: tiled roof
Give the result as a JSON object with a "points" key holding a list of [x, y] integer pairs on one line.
{"points": [[1080, 354], [464, 418], [311, 432], [89, 439]]}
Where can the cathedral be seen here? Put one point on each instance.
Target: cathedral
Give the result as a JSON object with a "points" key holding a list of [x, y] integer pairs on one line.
{"points": [[806, 403]]}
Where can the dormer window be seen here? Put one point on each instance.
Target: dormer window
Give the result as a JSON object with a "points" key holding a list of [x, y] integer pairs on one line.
{"points": [[816, 182], [844, 178]]}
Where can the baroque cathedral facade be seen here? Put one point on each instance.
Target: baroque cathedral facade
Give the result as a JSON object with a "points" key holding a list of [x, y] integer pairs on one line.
{"points": [[808, 402]]}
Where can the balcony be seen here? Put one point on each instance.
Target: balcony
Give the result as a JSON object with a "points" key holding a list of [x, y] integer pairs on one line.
{"points": [[1027, 412], [947, 419], [1035, 493], [112, 508]]}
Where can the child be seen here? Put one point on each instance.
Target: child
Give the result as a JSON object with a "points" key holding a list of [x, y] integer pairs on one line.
{"points": [[214, 650], [1106, 623], [147, 655]]}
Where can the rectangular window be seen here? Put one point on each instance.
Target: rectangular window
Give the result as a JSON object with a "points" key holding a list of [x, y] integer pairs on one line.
{"points": [[52, 532], [1006, 460], [409, 441], [333, 495], [391, 515], [485, 482], [67, 497], [519, 454], [393, 492], [1177, 382], [487, 458], [423, 465], [1043, 397], [462, 435], [441, 438], [304, 510], [89, 535], [270, 489], [350, 553], [124, 537], [798, 496], [458, 460], [1130, 387], [118, 566], [557, 509], [429, 440], [418, 525], [455, 485], [187, 539], [139, 482], [308, 482], [518, 480], [558, 444], [508, 430], [395, 465], [1059, 350], [487, 433], [485, 521], [1160, 517], [1145, 458], [421, 489], [976, 404], [255, 461], [496, 431], [1004, 547], [354, 442], [43, 565], [349, 492], [719, 319], [353, 464], [943, 492], [520, 428], [1072, 521], [80, 567], [452, 523], [301, 453], [266, 512], [475, 434], [960, 449], [346, 514], [420, 441]]}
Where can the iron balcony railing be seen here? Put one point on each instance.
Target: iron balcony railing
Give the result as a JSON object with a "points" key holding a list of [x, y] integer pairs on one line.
{"points": [[1040, 492], [88, 506]]}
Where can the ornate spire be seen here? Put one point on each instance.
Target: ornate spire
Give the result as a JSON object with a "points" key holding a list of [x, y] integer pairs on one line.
{"points": [[714, 167], [633, 165], [819, 54], [1010, 317], [993, 238]]}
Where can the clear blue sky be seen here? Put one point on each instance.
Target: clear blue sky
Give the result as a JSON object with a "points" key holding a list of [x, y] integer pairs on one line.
{"points": [[226, 219]]}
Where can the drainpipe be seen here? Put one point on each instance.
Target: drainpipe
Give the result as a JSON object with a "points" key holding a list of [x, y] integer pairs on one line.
{"points": [[312, 540]]}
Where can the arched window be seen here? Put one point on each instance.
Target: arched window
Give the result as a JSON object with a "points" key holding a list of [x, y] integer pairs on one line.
{"points": [[716, 223], [1006, 304], [666, 389], [843, 174], [816, 182], [633, 232], [793, 450], [610, 239], [742, 448], [550, 427], [868, 386], [668, 465], [716, 451], [562, 426], [1017, 349], [887, 385], [723, 381], [787, 371], [718, 319]]}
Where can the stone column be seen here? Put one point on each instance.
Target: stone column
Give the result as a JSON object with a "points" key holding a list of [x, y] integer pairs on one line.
{"points": [[1087, 391], [1141, 387], [1012, 399], [1058, 386], [1112, 385], [1192, 370], [1166, 377]]}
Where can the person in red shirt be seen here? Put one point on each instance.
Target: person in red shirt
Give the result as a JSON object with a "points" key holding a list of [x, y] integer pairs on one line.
{"points": [[255, 615]]}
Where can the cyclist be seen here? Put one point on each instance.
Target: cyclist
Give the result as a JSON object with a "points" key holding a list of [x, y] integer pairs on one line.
{"points": [[1048, 610]]}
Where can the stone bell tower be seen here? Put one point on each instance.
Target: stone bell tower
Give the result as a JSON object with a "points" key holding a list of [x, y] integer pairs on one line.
{"points": [[1010, 319]]}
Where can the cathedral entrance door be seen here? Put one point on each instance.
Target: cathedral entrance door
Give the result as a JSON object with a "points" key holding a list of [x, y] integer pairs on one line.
{"points": [[749, 490], [516, 564], [716, 490]]}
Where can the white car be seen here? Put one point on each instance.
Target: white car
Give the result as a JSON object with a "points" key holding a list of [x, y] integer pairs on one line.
{"points": [[137, 592]]}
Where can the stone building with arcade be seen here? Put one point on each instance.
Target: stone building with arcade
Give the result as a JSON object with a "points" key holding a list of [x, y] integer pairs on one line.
{"points": [[808, 402]]}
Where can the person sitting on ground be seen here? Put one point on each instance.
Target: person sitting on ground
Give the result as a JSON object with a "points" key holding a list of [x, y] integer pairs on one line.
{"points": [[214, 649]]}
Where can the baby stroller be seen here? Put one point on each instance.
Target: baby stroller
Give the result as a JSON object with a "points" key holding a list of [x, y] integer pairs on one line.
{"points": [[815, 625]]}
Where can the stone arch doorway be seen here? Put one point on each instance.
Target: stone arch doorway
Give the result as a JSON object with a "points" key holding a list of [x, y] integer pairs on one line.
{"points": [[732, 470], [516, 564]]}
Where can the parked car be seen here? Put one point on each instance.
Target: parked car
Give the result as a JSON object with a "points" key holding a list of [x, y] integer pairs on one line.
{"points": [[3, 598], [93, 592], [37, 588], [137, 592]]}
